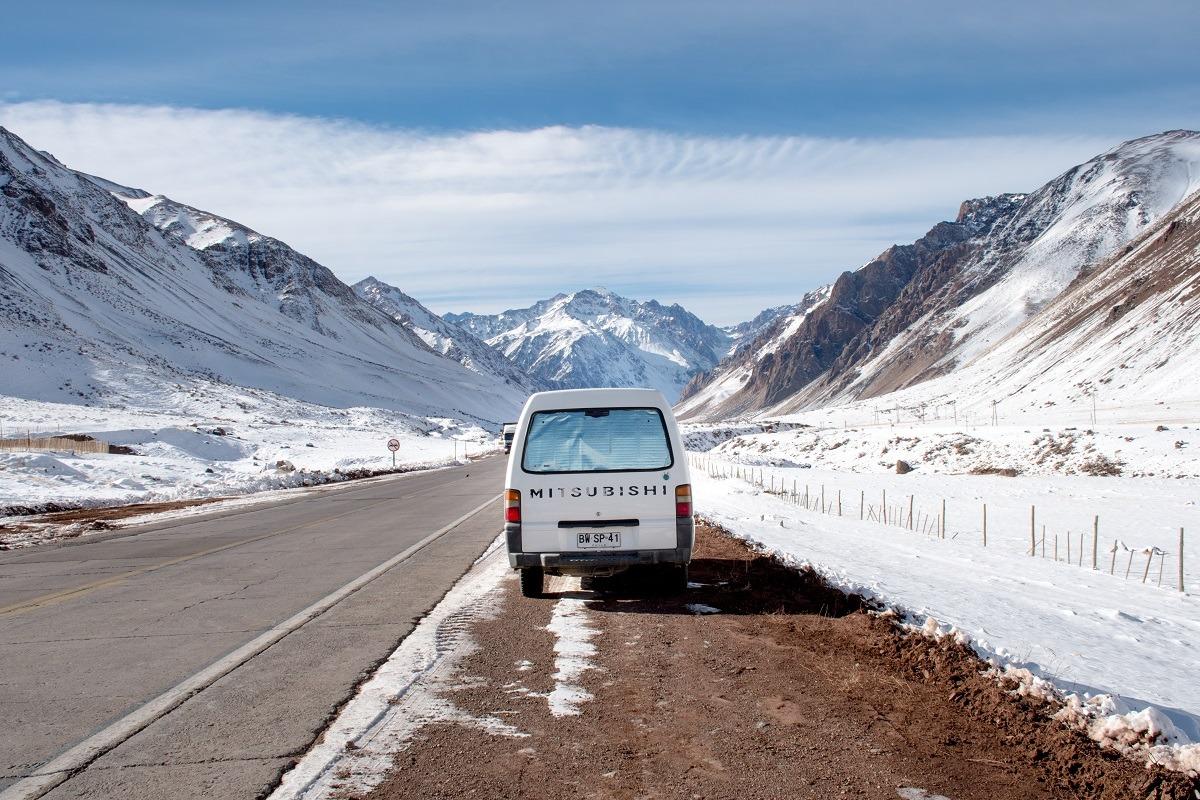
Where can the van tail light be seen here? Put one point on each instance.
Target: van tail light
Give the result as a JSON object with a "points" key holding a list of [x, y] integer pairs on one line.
{"points": [[512, 505], [683, 501]]}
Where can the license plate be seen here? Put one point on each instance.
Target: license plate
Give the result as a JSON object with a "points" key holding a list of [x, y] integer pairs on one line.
{"points": [[598, 539]]}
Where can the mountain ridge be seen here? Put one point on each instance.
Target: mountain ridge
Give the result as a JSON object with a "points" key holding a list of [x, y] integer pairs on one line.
{"points": [[452, 341], [966, 286], [102, 304], [595, 337]]}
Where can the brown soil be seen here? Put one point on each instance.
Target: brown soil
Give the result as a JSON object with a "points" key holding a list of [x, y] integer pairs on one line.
{"points": [[121, 512], [792, 690], [92, 519]]}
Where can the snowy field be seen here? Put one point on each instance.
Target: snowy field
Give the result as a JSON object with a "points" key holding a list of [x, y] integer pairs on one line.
{"points": [[1134, 448], [242, 442], [1123, 651]]}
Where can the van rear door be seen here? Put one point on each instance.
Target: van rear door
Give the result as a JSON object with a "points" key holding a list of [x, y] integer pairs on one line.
{"points": [[598, 479]]}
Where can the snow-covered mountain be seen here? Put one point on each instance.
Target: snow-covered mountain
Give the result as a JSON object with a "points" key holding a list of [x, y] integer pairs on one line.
{"points": [[1126, 330], [759, 338], [596, 338], [746, 332], [452, 341], [111, 295], [931, 308]]}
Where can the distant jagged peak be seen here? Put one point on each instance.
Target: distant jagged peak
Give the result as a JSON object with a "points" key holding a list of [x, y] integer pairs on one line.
{"points": [[596, 337], [371, 284]]}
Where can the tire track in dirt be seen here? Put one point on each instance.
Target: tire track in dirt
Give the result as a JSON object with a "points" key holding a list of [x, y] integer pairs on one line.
{"points": [[791, 690]]}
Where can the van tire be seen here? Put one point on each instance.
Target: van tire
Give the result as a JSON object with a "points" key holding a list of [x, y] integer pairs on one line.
{"points": [[532, 581], [673, 579]]}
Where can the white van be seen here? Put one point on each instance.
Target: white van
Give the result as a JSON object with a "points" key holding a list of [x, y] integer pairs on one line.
{"points": [[507, 431], [597, 483]]}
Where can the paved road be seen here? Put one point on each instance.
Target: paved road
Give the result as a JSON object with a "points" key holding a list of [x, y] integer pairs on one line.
{"points": [[91, 632]]}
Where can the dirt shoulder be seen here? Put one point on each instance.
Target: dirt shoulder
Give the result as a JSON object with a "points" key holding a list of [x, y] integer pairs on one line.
{"points": [[762, 682]]}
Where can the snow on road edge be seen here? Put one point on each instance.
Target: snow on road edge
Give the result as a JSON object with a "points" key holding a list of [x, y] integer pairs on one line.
{"points": [[403, 695]]}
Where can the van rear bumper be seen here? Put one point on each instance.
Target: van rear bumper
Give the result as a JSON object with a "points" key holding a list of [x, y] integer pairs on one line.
{"points": [[600, 560], [583, 560]]}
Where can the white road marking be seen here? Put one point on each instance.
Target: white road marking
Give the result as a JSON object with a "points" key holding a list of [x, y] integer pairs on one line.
{"points": [[62, 767], [405, 694]]}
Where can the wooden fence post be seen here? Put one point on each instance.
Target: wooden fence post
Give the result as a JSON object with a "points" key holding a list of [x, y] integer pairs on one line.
{"points": [[985, 524], [1112, 568], [1181, 559], [1032, 530], [910, 512], [862, 500], [884, 507], [839, 502], [1095, 538], [942, 520]]}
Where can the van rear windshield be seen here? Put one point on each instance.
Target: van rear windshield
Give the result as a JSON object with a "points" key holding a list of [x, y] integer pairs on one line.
{"points": [[597, 440]]}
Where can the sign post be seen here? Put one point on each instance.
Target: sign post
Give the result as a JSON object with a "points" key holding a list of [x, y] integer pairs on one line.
{"points": [[393, 445]]}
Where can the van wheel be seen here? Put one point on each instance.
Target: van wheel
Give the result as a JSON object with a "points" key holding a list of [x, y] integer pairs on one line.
{"points": [[679, 579], [532, 580], [674, 579]]}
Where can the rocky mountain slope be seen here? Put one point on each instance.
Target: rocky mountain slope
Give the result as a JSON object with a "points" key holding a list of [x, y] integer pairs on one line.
{"points": [[452, 341], [759, 339], [931, 308], [1126, 330], [596, 338], [110, 295]]}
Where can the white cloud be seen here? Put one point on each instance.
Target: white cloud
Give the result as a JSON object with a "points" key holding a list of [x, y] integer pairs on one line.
{"points": [[488, 220]]}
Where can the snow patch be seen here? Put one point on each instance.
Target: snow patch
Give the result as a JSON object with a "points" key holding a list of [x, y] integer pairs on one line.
{"points": [[573, 652], [702, 608]]}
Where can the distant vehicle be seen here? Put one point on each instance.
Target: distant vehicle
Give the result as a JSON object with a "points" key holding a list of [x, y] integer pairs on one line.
{"points": [[598, 483], [507, 431]]}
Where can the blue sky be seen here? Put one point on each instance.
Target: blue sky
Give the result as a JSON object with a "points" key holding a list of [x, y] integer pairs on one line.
{"points": [[1020, 92]]}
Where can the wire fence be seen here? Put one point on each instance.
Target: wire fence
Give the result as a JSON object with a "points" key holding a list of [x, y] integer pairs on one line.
{"points": [[905, 513]]}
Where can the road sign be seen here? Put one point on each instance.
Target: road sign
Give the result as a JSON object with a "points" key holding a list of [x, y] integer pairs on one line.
{"points": [[393, 445]]}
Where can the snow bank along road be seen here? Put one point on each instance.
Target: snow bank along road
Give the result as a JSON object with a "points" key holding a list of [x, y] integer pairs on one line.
{"points": [[201, 657]]}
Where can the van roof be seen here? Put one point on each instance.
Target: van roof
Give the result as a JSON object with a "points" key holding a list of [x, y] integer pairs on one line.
{"points": [[597, 398]]}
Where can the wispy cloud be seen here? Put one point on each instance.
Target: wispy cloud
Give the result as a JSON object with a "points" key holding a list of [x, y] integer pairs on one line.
{"points": [[487, 220]]}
